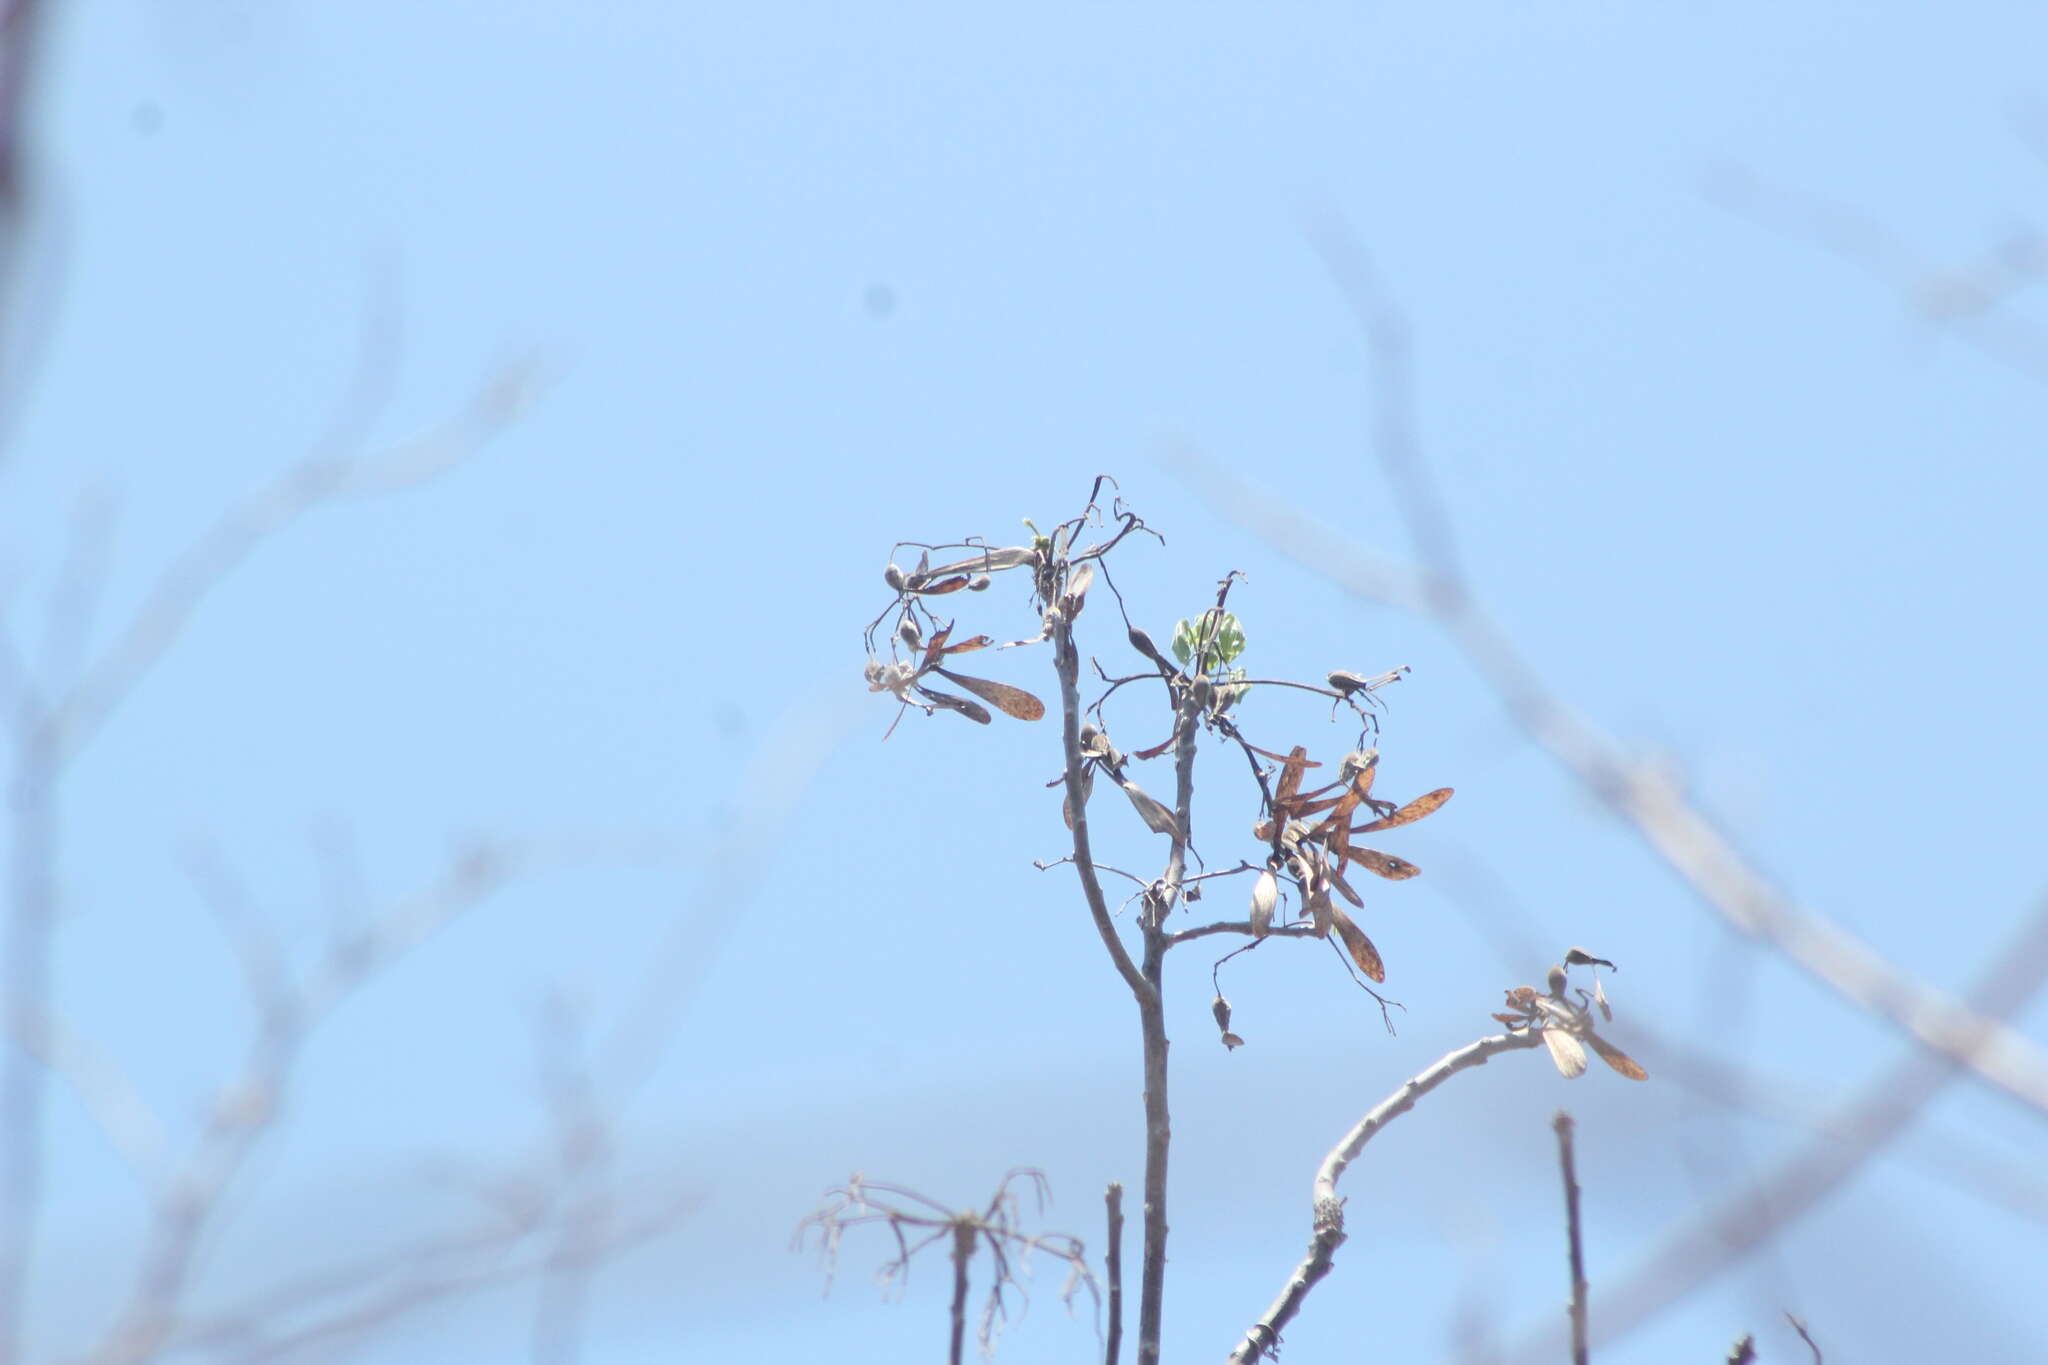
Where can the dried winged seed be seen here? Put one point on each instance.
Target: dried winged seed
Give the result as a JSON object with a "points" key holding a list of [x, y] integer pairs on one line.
{"points": [[1579, 957], [937, 587], [988, 561], [1345, 889], [978, 714], [1426, 804], [893, 576], [1012, 701], [1616, 1058], [1320, 909], [1265, 896], [1156, 817], [1221, 1009], [1078, 583], [1358, 945], [1566, 1052], [1347, 683], [1382, 864]]}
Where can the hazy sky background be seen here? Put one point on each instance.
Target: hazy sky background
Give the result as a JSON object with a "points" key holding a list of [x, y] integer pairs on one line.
{"points": [[805, 280]]}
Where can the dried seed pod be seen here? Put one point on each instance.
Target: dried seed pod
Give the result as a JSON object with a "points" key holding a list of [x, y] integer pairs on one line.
{"points": [[978, 583], [1221, 1009], [1077, 589], [1579, 957], [1156, 816], [1142, 642], [893, 576], [1265, 896], [909, 634], [1347, 683]]}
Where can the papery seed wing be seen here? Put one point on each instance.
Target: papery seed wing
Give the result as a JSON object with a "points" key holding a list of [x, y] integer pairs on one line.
{"points": [[1344, 887], [1357, 944], [1011, 701], [1078, 583], [1616, 1058], [1383, 864], [1265, 896], [1566, 1052], [978, 714], [1156, 816], [1427, 804], [1290, 776]]}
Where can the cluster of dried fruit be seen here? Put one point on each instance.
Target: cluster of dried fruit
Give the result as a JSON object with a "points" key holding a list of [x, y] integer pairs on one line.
{"points": [[1317, 853], [1567, 1028]]}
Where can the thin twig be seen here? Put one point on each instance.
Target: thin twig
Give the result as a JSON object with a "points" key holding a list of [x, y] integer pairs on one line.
{"points": [[1568, 1172], [1806, 1337]]}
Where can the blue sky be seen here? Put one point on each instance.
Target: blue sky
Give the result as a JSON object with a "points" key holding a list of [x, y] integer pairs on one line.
{"points": [[800, 282]]}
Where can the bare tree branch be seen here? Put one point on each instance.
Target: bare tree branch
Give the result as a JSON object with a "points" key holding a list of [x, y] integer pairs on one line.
{"points": [[1647, 800], [1263, 1338]]}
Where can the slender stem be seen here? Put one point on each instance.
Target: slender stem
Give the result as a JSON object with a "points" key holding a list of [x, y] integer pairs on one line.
{"points": [[965, 1231], [1568, 1168], [1067, 663], [1158, 1139], [1113, 1268], [1152, 1024], [1327, 1232]]}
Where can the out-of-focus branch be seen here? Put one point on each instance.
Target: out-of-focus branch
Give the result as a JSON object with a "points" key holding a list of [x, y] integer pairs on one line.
{"points": [[247, 1106], [1962, 299], [1328, 1230], [1744, 1219], [191, 578], [1575, 1243], [1646, 799]]}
